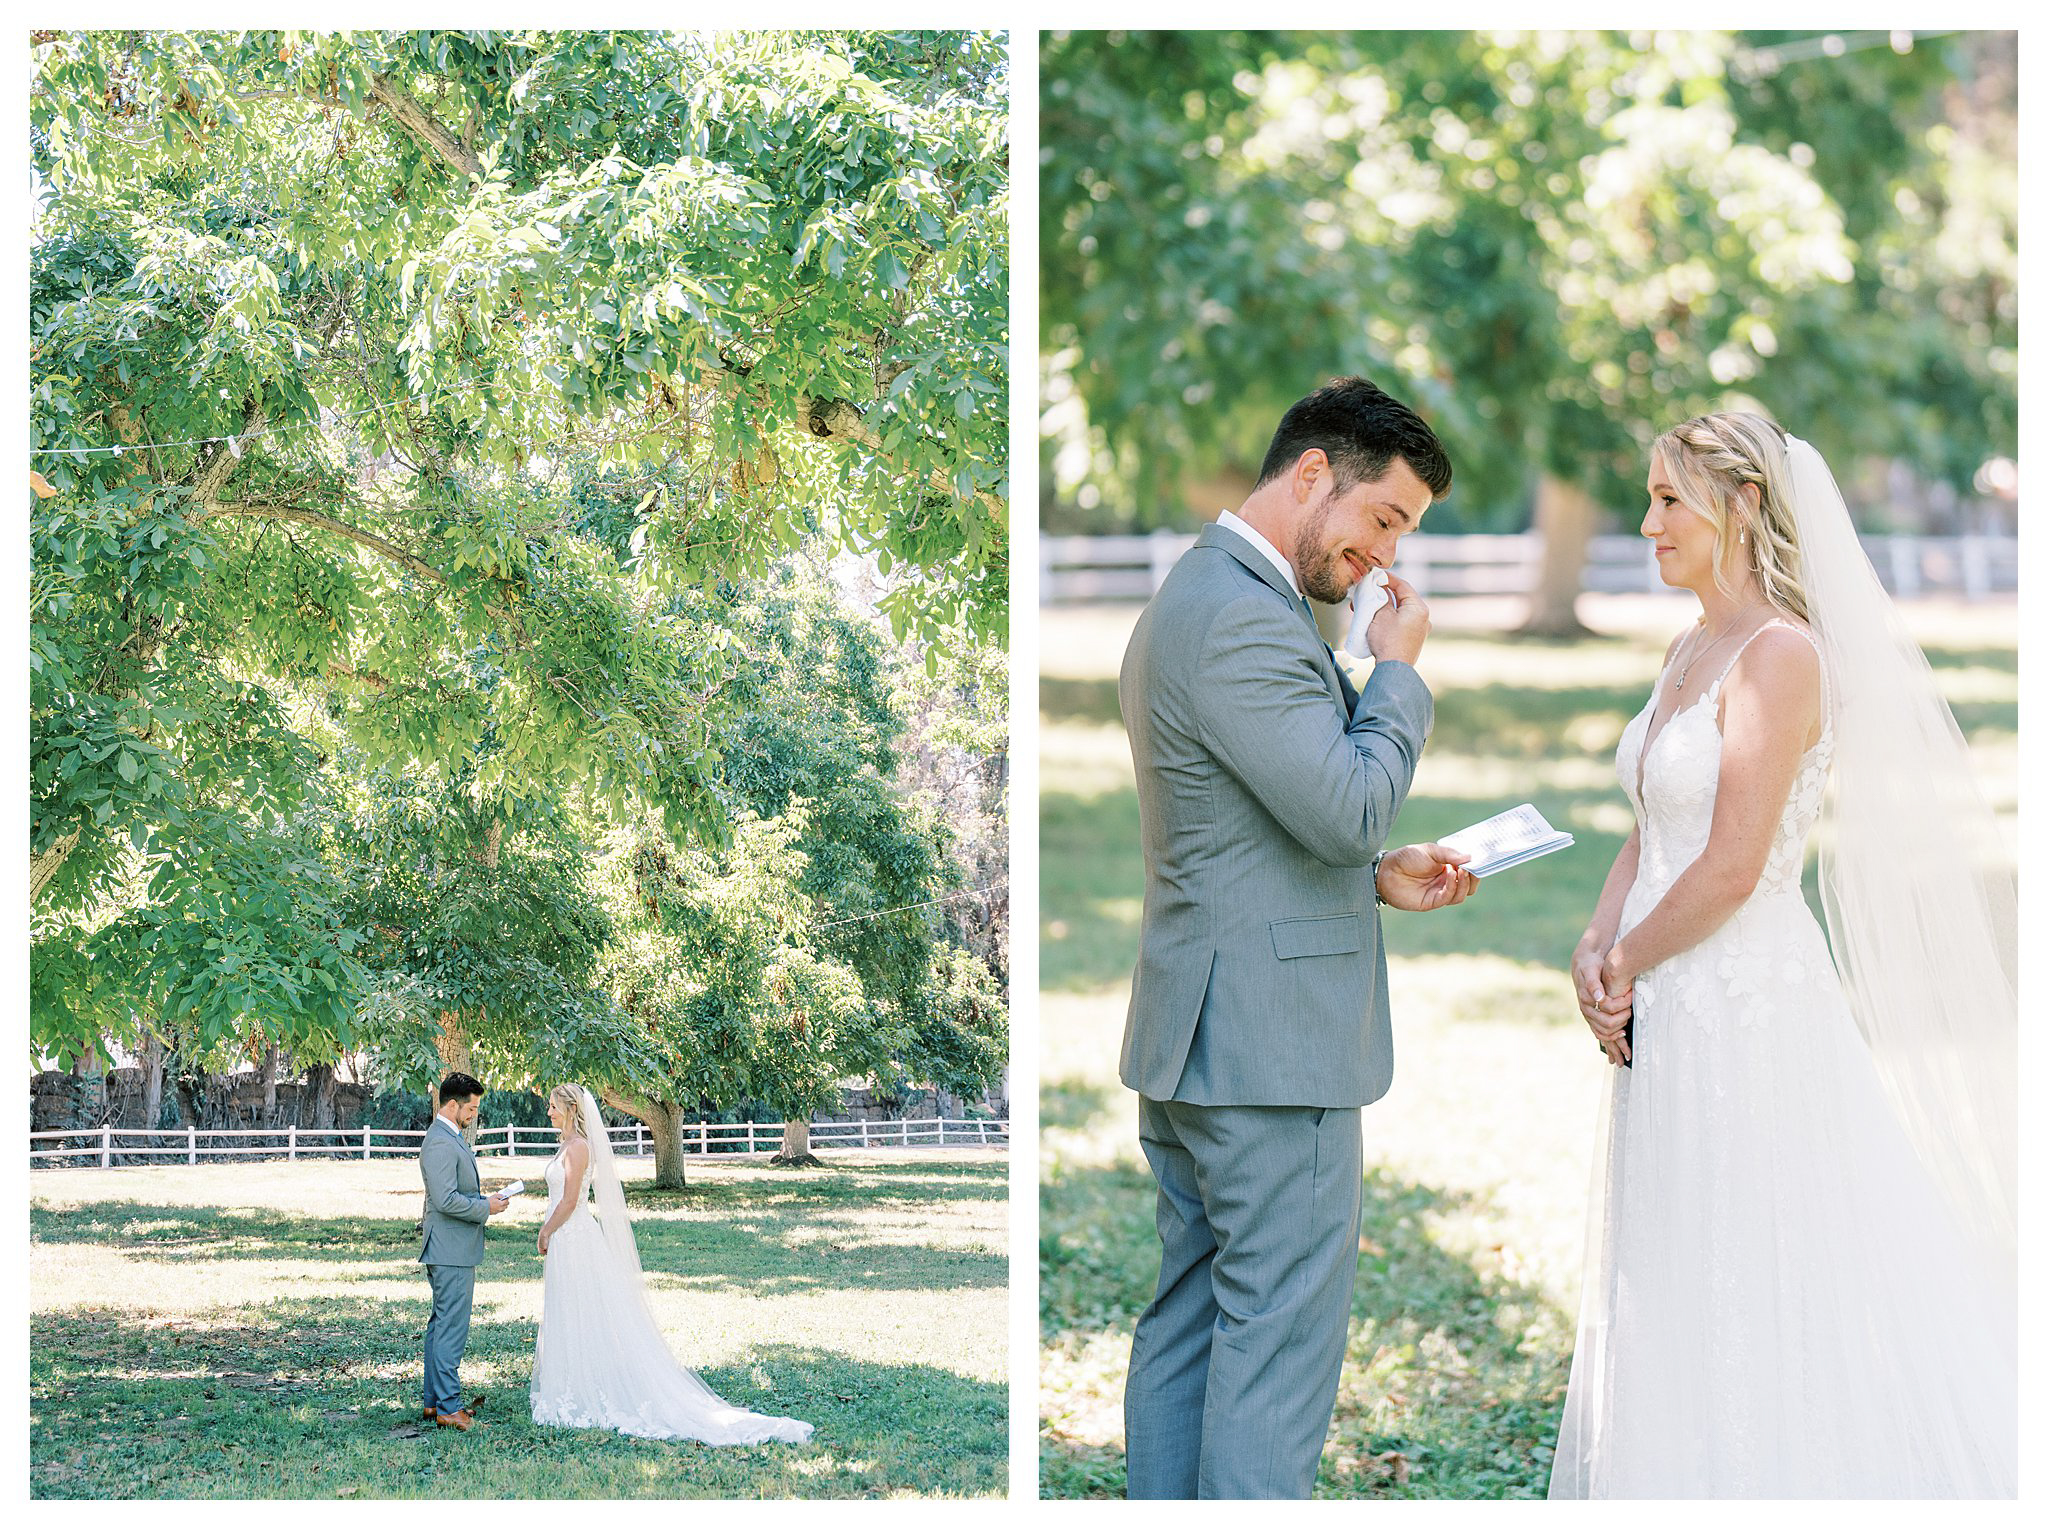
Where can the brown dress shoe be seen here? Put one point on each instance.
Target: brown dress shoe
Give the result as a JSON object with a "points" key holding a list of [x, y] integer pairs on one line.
{"points": [[475, 1403], [427, 1414], [461, 1418]]}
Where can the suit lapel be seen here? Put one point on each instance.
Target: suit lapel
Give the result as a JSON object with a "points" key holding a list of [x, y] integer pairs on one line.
{"points": [[1222, 537]]}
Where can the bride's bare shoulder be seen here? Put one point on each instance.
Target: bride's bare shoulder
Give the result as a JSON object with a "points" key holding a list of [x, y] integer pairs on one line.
{"points": [[1779, 667]]}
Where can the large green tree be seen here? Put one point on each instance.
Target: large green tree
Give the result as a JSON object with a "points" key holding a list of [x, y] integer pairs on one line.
{"points": [[398, 380], [807, 947], [817, 945], [1556, 244]]}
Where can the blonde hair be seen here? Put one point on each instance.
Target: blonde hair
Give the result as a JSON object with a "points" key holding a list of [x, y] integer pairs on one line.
{"points": [[571, 1096], [1710, 460]]}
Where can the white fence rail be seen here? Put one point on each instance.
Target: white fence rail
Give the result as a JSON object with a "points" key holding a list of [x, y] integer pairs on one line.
{"points": [[1080, 570], [103, 1145]]}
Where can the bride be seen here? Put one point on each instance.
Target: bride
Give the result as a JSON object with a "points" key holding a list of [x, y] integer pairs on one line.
{"points": [[601, 1361], [1801, 1278]]}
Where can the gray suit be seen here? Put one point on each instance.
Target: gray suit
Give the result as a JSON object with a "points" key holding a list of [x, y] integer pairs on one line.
{"points": [[1258, 1023], [453, 1246]]}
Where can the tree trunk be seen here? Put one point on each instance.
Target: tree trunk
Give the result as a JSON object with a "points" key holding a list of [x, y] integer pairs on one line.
{"points": [[452, 1042], [320, 1084], [664, 1123], [268, 1073], [92, 1099], [796, 1147], [1224, 489], [152, 1081], [191, 1101], [1565, 516]]}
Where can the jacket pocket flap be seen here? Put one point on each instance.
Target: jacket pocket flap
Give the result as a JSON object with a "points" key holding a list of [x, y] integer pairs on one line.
{"points": [[1330, 935]]}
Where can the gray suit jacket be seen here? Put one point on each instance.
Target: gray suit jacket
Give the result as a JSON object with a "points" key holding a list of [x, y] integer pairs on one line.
{"points": [[456, 1208], [1266, 786]]}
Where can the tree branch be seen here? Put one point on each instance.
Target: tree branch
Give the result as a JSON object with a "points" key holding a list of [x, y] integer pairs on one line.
{"points": [[211, 470], [424, 127], [368, 677], [334, 103], [836, 419], [263, 510]]}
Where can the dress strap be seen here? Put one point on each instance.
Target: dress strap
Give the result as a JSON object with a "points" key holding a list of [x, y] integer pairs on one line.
{"points": [[1728, 669]]}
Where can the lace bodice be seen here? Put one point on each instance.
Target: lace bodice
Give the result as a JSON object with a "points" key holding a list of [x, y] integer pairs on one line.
{"points": [[1673, 790]]}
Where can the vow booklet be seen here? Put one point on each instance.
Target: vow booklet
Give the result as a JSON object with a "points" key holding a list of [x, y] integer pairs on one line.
{"points": [[517, 1187], [1506, 839]]}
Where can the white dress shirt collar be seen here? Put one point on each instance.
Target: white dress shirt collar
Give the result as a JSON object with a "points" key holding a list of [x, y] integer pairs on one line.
{"points": [[1230, 521], [444, 1121]]}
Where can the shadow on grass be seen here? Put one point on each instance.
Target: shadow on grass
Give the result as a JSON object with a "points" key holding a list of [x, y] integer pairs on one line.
{"points": [[1983, 722], [2004, 660], [1527, 722], [1092, 702], [1454, 1376], [811, 1231], [318, 1399], [1070, 1104]]}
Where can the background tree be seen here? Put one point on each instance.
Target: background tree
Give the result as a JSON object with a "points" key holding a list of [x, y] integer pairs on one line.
{"points": [[811, 947], [817, 946], [955, 759], [1555, 244], [302, 305]]}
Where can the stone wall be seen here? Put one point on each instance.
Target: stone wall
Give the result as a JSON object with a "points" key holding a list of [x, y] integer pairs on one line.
{"points": [[859, 1103], [71, 1102]]}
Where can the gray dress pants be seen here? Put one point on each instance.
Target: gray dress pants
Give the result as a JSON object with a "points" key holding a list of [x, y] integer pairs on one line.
{"points": [[454, 1288], [1234, 1365]]}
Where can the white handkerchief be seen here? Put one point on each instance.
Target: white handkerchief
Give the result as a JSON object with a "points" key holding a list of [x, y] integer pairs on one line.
{"points": [[1367, 596]]}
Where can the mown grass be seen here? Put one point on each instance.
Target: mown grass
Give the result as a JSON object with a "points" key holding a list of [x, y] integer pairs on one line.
{"points": [[253, 1330], [1478, 1161]]}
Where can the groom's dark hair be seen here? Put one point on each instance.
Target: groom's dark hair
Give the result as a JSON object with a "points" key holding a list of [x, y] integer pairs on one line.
{"points": [[1361, 429], [459, 1086]]}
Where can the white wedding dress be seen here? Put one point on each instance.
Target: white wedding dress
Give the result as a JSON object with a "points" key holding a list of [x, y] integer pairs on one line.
{"points": [[1777, 1301], [601, 1361]]}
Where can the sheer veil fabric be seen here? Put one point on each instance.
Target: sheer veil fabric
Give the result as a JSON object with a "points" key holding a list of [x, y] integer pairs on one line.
{"points": [[1800, 1278], [1919, 892], [602, 1361]]}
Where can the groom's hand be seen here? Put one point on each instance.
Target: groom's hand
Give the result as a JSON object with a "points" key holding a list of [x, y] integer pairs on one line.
{"points": [[1398, 629], [498, 1203], [1419, 878]]}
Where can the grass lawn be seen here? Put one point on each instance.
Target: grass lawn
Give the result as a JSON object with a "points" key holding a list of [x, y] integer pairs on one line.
{"points": [[253, 1330], [1479, 1160]]}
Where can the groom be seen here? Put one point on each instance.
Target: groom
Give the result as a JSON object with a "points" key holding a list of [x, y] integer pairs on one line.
{"points": [[1267, 786], [454, 1245]]}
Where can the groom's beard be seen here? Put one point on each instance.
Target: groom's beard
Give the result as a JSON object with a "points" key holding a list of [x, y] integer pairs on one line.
{"points": [[1323, 573]]}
